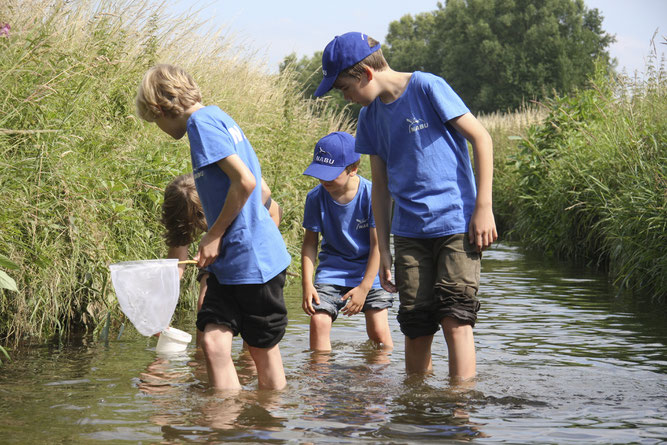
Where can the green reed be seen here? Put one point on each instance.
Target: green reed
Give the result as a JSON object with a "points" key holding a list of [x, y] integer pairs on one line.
{"points": [[83, 178], [589, 184]]}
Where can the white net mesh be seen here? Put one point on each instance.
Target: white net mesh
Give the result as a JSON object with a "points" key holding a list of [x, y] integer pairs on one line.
{"points": [[147, 292]]}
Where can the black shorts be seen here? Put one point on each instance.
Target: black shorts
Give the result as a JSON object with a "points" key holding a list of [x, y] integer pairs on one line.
{"points": [[256, 311]]}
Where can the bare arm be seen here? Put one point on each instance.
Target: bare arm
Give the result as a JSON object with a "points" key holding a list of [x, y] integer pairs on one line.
{"points": [[181, 253], [308, 257], [275, 211], [482, 231], [266, 191], [242, 184], [382, 214]]}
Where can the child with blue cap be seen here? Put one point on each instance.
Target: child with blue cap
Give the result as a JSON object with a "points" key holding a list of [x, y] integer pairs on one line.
{"points": [[347, 275], [415, 129]]}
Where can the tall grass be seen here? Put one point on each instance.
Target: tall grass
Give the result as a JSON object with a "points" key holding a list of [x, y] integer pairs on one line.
{"points": [[507, 130], [82, 178], [590, 183]]}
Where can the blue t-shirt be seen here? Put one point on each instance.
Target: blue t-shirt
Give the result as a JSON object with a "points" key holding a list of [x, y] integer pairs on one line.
{"points": [[345, 230], [429, 173], [252, 250]]}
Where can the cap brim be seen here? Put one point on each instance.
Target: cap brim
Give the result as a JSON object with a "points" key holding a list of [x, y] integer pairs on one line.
{"points": [[323, 172], [325, 86]]}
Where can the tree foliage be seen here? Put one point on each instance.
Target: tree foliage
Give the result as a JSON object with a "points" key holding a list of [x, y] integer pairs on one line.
{"points": [[499, 53]]}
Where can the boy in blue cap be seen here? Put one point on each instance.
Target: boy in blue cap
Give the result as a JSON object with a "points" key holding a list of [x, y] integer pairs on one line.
{"points": [[347, 275], [242, 247], [415, 127]]}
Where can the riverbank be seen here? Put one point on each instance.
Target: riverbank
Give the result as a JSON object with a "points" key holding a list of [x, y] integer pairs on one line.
{"points": [[589, 183]]}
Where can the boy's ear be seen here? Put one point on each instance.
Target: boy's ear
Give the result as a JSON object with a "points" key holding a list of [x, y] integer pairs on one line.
{"points": [[369, 73]]}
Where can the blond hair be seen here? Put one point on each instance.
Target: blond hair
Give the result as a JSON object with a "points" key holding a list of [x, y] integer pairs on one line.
{"points": [[166, 91], [375, 61]]}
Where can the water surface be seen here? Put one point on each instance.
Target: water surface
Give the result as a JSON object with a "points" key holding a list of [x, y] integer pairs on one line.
{"points": [[560, 359]]}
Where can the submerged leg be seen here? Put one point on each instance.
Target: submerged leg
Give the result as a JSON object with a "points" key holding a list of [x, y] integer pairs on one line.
{"points": [[418, 354], [377, 327], [461, 346], [320, 331], [217, 345], [269, 363]]}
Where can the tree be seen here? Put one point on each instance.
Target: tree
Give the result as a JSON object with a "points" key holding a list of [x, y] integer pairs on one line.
{"points": [[496, 54], [411, 42]]}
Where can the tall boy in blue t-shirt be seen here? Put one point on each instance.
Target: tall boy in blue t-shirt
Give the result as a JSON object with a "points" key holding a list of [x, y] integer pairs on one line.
{"points": [[415, 128], [242, 246], [347, 275]]}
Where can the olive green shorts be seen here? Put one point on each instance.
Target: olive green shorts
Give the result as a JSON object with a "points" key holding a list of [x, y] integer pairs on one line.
{"points": [[436, 278]]}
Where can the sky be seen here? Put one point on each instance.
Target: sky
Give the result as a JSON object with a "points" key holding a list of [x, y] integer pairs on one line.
{"points": [[277, 28]]}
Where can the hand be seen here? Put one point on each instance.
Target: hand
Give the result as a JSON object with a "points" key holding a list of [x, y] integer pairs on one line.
{"points": [[209, 249], [355, 300], [309, 294], [385, 272], [482, 230]]}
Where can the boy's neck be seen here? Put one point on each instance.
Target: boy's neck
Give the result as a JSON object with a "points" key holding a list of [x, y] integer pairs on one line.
{"points": [[392, 84], [191, 110], [350, 191]]}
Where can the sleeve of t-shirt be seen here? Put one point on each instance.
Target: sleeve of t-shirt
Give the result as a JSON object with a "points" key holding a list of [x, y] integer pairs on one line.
{"points": [[444, 99], [363, 143], [311, 214], [209, 143]]}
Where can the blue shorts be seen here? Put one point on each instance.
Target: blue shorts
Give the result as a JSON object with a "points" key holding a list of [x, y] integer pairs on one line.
{"points": [[331, 303]]}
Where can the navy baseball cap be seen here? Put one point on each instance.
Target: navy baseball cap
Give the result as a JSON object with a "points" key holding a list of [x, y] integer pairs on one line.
{"points": [[341, 53], [332, 154]]}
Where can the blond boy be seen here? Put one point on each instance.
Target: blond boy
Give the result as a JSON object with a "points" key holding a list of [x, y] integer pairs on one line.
{"points": [[242, 247]]}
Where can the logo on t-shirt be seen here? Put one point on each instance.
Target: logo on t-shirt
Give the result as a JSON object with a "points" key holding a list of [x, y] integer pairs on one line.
{"points": [[236, 134], [416, 124], [362, 223]]}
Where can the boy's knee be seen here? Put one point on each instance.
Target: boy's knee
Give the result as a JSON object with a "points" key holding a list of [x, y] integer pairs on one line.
{"points": [[321, 320], [213, 347], [455, 328]]}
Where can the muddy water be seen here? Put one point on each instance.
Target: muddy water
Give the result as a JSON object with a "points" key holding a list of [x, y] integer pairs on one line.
{"points": [[561, 359]]}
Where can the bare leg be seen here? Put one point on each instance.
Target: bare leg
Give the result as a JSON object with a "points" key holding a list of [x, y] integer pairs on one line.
{"points": [[200, 300], [320, 331], [217, 345], [461, 346], [269, 362], [418, 354], [377, 328]]}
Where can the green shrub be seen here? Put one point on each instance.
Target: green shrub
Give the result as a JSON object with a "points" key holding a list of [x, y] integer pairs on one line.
{"points": [[591, 181]]}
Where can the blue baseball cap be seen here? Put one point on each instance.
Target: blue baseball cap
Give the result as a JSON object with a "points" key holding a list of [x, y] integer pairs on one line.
{"points": [[332, 154], [341, 53]]}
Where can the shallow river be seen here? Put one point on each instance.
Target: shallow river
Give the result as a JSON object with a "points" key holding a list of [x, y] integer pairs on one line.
{"points": [[560, 360]]}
